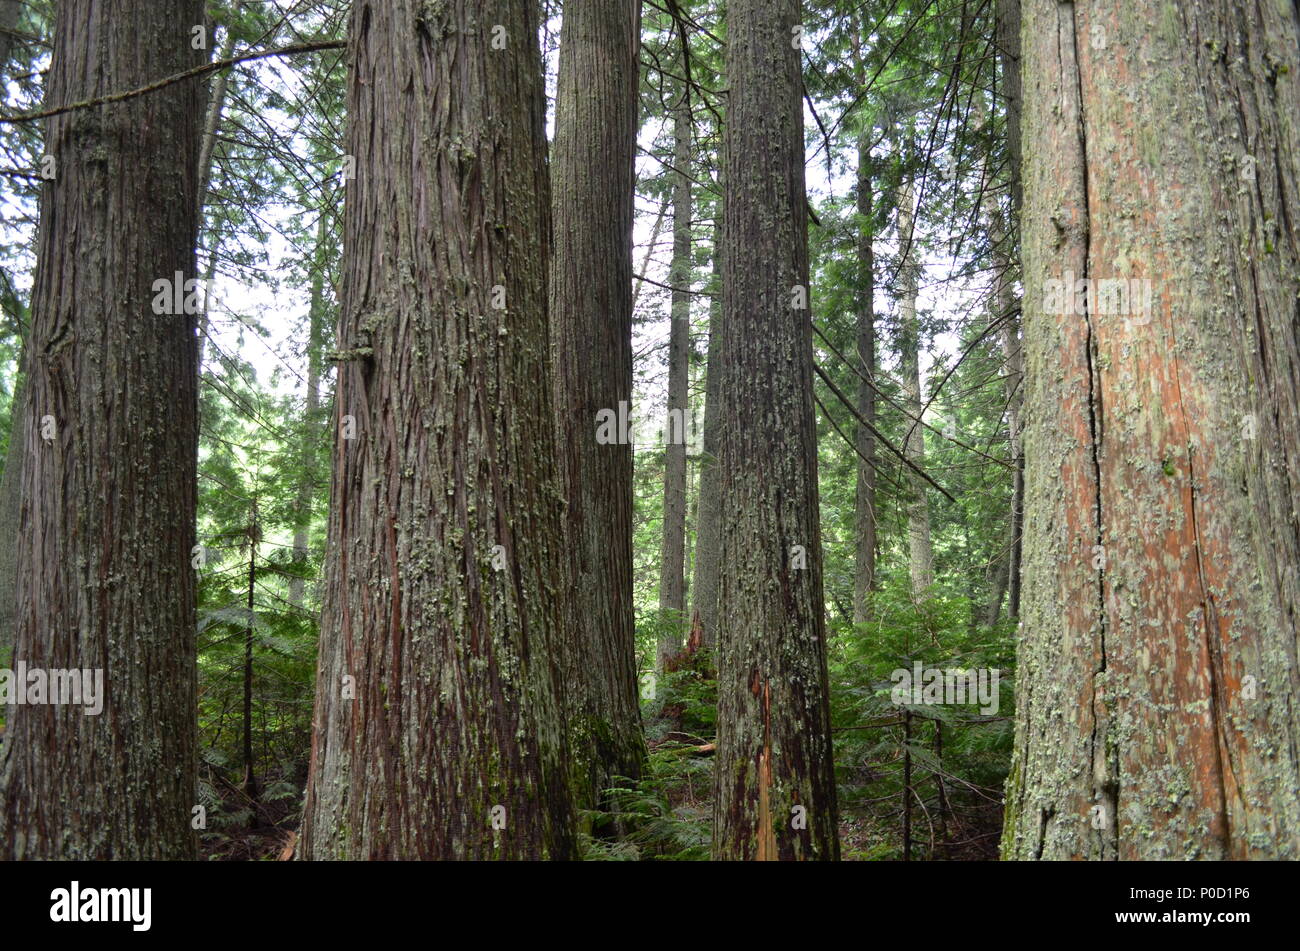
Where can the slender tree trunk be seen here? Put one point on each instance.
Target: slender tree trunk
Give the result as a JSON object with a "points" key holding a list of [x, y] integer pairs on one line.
{"points": [[592, 166], [11, 480], [250, 775], [864, 575], [1002, 307], [648, 256], [1157, 684], [864, 503], [11, 507], [906, 793], [708, 534], [1007, 18], [672, 569], [1015, 376], [775, 785], [311, 431], [212, 120], [944, 808], [207, 156], [104, 577], [1008, 39], [438, 731], [11, 12], [920, 553]]}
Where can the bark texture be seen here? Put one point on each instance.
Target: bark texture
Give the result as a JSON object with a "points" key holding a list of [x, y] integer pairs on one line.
{"points": [[1157, 710], [11, 485], [312, 422], [774, 786], [920, 550], [592, 167], [672, 566], [864, 521], [111, 433], [704, 592], [443, 591], [1008, 39]]}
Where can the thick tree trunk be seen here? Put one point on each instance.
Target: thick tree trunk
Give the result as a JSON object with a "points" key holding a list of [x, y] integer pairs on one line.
{"points": [[864, 548], [672, 567], [920, 552], [592, 166], [1157, 705], [438, 731], [775, 785], [104, 576]]}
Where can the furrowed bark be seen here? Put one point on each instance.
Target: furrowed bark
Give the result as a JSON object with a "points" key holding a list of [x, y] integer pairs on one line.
{"points": [[672, 566], [111, 431], [591, 338], [443, 590], [1157, 678], [704, 592], [774, 785]]}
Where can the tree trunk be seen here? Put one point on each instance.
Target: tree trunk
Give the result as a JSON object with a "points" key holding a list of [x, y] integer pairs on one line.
{"points": [[592, 165], [1008, 38], [775, 785], [250, 635], [920, 554], [11, 481], [708, 533], [1156, 694], [107, 528], [311, 431], [672, 569], [438, 731], [864, 575], [11, 508], [1007, 26], [11, 13], [1002, 307], [212, 120]]}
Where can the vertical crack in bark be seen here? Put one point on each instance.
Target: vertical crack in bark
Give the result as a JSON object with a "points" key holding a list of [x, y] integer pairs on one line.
{"points": [[1107, 789], [1213, 655], [1044, 815]]}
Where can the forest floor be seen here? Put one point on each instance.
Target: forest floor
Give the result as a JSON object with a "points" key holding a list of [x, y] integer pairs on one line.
{"points": [[241, 830]]}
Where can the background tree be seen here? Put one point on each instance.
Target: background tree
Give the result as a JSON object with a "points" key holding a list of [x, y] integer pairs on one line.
{"points": [[592, 166], [773, 718]]}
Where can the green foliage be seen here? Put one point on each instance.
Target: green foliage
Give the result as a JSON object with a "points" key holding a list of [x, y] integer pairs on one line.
{"points": [[666, 816]]}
